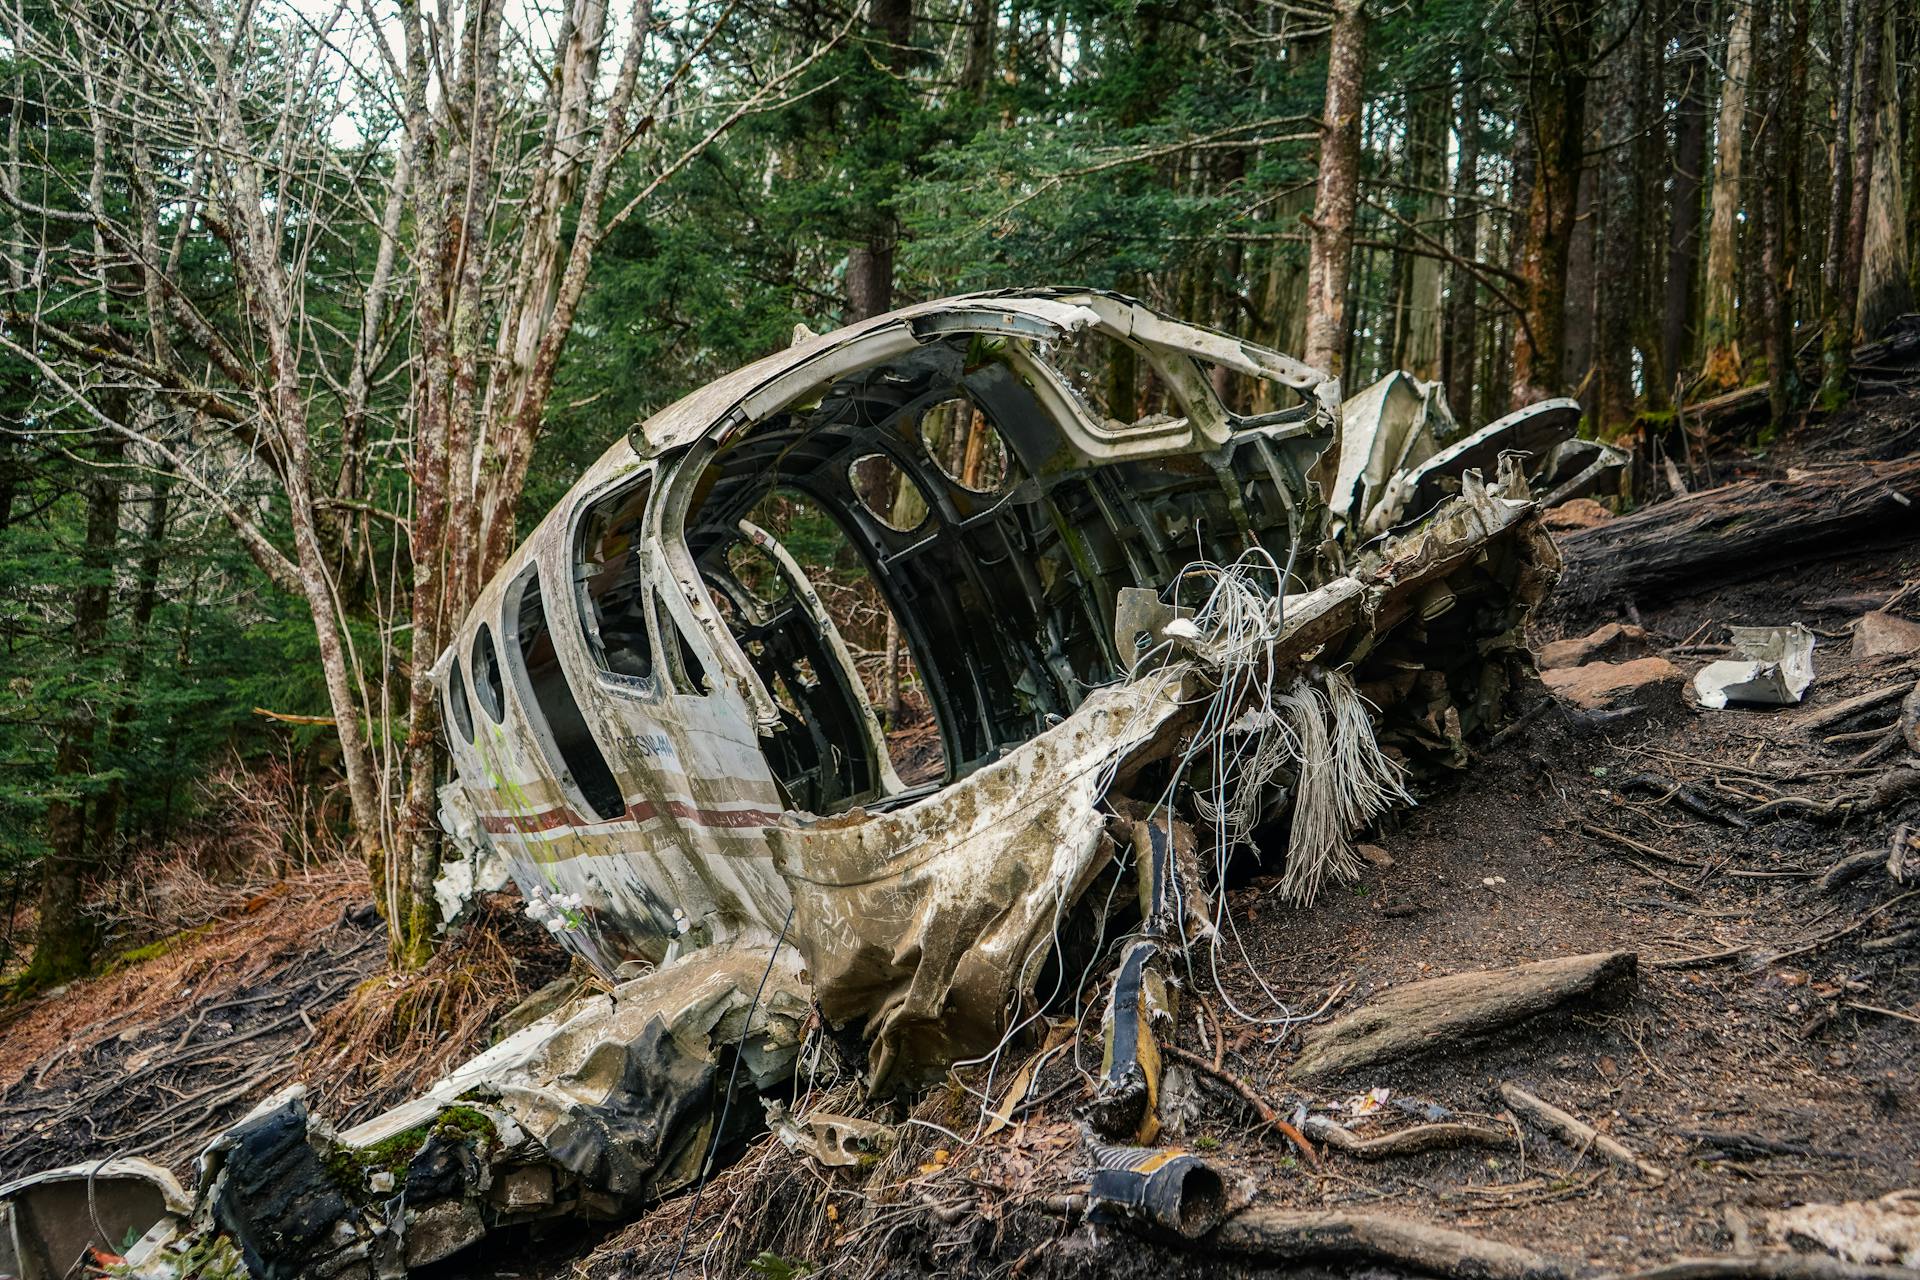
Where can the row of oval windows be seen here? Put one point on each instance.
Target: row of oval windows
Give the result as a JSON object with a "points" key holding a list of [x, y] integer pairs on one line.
{"points": [[956, 435], [961, 442]]}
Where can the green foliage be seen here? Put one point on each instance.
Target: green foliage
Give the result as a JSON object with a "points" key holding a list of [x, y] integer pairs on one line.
{"points": [[774, 1267], [219, 644]]}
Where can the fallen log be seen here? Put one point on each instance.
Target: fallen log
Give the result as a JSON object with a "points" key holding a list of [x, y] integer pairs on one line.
{"points": [[1576, 1132], [1845, 709], [1423, 1016], [1740, 531], [1289, 1235]]}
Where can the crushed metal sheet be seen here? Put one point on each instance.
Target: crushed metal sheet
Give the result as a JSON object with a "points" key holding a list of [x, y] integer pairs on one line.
{"points": [[1771, 666]]}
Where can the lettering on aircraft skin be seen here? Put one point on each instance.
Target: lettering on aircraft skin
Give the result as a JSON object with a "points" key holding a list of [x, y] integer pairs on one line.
{"points": [[647, 745]]}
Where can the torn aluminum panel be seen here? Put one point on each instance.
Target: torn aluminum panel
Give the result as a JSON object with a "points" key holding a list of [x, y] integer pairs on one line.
{"points": [[1385, 431], [592, 1115], [1144, 656], [1770, 666], [1396, 462], [63, 1221]]}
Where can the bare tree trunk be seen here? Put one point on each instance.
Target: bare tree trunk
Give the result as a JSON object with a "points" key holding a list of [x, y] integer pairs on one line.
{"points": [[1421, 322], [1689, 172], [1721, 367], [983, 37], [1337, 194], [65, 938], [1463, 313], [1867, 144], [1649, 110], [870, 263], [146, 597], [1839, 327], [1785, 61], [1583, 321], [1885, 292], [1616, 250], [1560, 46]]}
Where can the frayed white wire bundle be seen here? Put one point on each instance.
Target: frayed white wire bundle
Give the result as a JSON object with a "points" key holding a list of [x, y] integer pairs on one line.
{"points": [[1249, 731], [1316, 726]]}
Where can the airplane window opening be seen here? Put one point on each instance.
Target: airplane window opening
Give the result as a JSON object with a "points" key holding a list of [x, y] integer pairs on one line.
{"points": [[564, 729], [612, 581], [486, 676], [457, 704]]}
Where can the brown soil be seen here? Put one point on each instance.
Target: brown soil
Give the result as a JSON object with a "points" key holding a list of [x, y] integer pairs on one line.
{"points": [[155, 1057]]}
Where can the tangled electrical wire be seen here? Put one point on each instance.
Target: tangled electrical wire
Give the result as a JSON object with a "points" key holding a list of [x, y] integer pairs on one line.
{"points": [[1262, 728]]}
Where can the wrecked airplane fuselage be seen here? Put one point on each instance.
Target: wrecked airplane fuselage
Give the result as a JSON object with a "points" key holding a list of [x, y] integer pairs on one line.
{"points": [[652, 710], [1141, 645]]}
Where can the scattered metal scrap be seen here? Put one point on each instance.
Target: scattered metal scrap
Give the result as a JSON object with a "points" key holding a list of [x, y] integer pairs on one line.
{"points": [[1770, 666], [1143, 647]]}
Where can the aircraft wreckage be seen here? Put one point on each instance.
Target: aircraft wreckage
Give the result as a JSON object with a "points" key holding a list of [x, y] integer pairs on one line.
{"points": [[1195, 607]]}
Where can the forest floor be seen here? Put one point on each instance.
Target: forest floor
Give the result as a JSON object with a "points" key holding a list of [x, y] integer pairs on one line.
{"points": [[180, 1037], [1765, 1057]]}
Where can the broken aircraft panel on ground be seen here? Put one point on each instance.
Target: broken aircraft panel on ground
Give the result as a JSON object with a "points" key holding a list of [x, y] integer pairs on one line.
{"points": [[1143, 650]]}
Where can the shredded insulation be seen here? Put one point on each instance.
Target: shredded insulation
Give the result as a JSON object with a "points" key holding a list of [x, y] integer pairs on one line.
{"points": [[1264, 728]]}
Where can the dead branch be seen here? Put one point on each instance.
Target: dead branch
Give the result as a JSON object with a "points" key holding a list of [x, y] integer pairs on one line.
{"points": [[1847, 708], [1577, 1133], [1407, 1142]]}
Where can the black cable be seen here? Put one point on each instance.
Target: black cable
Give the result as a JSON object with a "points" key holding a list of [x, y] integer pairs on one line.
{"points": [[726, 1103]]}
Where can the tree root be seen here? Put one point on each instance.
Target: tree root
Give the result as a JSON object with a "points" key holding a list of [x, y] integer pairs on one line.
{"points": [[1438, 1013], [1298, 1235], [1407, 1142], [1247, 1095]]}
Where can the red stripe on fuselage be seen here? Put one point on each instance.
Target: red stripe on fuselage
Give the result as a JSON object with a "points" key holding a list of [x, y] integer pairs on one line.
{"points": [[640, 811]]}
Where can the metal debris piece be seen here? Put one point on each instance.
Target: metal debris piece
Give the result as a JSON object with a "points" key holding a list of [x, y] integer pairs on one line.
{"points": [[1164, 1187], [838, 1142], [1393, 466], [616, 1104], [52, 1223], [1771, 666]]}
